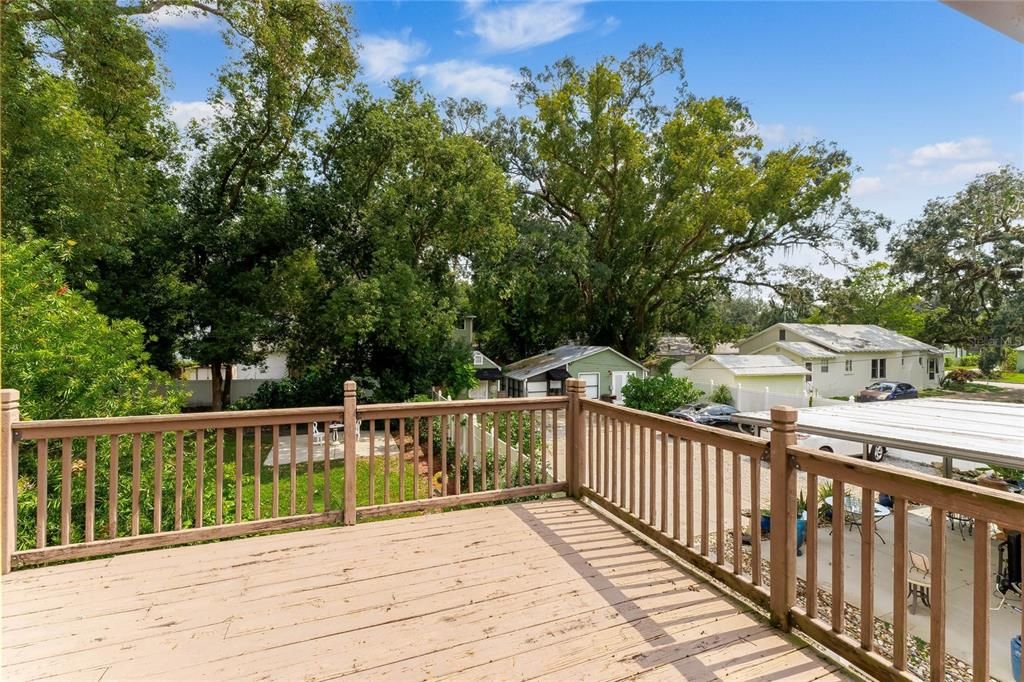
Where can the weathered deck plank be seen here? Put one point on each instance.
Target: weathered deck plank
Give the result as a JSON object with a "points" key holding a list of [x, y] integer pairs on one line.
{"points": [[545, 589]]}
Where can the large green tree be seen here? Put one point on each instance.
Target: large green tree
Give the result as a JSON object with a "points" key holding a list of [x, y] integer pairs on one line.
{"points": [[869, 295], [965, 257], [402, 210], [655, 209]]}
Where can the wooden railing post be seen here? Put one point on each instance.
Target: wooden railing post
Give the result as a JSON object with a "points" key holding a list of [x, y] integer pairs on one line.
{"points": [[576, 389], [783, 514], [351, 436], [8, 476]]}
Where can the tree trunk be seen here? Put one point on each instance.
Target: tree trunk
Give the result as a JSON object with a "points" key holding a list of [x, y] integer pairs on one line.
{"points": [[225, 393], [216, 388]]}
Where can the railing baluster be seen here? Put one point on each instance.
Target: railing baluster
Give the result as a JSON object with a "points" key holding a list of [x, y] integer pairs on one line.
{"points": [[158, 481], [401, 461], [430, 457], [90, 489], [257, 469], [239, 444], [521, 449], [310, 467], [591, 457], [653, 463], [811, 549], [623, 461], [689, 493], [631, 490], [867, 569], [755, 520], [457, 425], [664, 483], [219, 476], [42, 483], [533, 442], [416, 457], [981, 592], [606, 446], [444, 454], [737, 519], [372, 464], [677, 488], [136, 479], [275, 448], [179, 476], [554, 442], [386, 435], [838, 526], [899, 581], [937, 597], [292, 470], [705, 502], [65, 492], [719, 507], [328, 444], [483, 455], [613, 446], [642, 465], [508, 451], [495, 454]]}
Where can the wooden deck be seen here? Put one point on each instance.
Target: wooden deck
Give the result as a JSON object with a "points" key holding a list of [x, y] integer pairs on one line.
{"points": [[537, 590]]}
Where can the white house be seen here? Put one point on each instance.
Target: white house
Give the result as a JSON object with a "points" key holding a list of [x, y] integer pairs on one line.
{"points": [[844, 358], [245, 379], [752, 380]]}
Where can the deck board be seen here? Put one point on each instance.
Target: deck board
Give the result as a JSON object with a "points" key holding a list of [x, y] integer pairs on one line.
{"points": [[540, 590]]}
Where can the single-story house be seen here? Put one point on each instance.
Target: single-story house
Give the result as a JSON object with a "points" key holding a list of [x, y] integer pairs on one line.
{"points": [[682, 349], [773, 374], [488, 374], [844, 358], [604, 369], [245, 379]]}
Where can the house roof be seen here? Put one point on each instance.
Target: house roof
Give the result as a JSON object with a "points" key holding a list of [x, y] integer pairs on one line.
{"points": [[1019, 348], [557, 357], [754, 365], [669, 346], [856, 338], [803, 349]]}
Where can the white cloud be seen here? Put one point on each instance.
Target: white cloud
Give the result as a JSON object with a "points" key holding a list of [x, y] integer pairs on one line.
{"points": [[459, 78], [509, 28], [866, 184], [967, 149], [967, 171], [181, 18], [771, 132], [1017, 96], [182, 113], [609, 25], [384, 58]]}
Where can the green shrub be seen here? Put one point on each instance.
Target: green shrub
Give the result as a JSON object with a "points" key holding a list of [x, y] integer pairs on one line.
{"points": [[990, 360], [958, 377], [1010, 363], [969, 360], [721, 394], [659, 394]]}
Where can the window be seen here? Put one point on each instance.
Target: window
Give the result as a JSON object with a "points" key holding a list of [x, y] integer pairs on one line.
{"points": [[809, 366], [849, 367], [903, 362], [878, 368], [592, 380], [824, 366], [478, 358], [920, 360], [782, 335]]}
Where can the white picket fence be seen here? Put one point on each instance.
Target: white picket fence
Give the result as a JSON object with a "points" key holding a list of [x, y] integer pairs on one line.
{"points": [[752, 400]]}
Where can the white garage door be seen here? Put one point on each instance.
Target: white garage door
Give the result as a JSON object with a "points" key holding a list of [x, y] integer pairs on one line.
{"points": [[537, 389]]}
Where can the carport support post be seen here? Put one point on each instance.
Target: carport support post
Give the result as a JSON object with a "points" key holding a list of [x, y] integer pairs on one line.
{"points": [[351, 435], [783, 511], [575, 388]]}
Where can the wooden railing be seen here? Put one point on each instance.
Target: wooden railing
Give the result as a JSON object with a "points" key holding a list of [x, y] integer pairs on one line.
{"points": [[110, 485]]}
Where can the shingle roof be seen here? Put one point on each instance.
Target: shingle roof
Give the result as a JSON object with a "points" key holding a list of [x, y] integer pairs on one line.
{"points": [[755, 365], [556, 357], [671, 346], [844, 338], [804, 349]]}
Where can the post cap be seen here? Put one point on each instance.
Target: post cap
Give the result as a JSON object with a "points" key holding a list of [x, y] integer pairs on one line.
{"points": [[784, 414], [9, 395], [350, 387]]}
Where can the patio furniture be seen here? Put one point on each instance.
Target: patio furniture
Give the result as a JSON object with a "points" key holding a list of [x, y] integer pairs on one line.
{"points": [[962, 521], [853, 512], [335, 429], [919, 586], [1008, 573]]}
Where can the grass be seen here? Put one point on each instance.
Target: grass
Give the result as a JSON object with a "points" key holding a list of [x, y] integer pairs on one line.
{"points": [[954, 389], [1011, 377]]}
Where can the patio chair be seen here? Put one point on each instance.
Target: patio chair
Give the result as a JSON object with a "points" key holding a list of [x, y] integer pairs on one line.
{"points": [[318, 435], [965, 523], [919, 586], [1008, 575]]}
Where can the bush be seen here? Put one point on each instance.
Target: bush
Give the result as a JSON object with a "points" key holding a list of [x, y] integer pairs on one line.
{"points": [[1010, 363], [990, 360], [969, 360], [947, 362], [659, 394], [312, 389], [959, 377], [721, 394]]}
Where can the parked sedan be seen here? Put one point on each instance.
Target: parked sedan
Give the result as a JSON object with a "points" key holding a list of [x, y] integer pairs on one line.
{"points": [[876, 453], [886, 390], [709, 414]]}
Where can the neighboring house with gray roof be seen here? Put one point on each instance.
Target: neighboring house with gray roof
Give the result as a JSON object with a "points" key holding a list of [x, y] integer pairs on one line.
{"points": [[604, 369], [775, 374], [682, 349], [843, 358]]}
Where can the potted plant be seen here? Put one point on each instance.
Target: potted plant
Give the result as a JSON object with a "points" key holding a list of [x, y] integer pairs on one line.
{"points": [[824, 510]]}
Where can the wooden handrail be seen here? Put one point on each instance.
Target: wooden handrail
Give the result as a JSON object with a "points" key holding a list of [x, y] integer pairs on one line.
{"points": [[441, 408]]}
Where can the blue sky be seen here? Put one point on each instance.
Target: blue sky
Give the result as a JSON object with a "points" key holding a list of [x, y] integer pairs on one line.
{"points": [[923, 97]]}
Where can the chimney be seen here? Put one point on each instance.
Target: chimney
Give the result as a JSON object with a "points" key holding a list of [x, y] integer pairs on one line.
{"points": [[467, 324]]}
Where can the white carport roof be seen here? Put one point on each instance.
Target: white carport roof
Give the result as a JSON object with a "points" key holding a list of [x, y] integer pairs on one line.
{"points": [[979, 431]]}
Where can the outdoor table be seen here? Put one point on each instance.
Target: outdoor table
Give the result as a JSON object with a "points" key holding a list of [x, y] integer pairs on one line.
{"points": [[853, 510]]}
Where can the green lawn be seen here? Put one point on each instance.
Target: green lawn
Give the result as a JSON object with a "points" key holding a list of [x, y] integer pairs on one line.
{"points": [[959, 388], [1012, 377]]}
